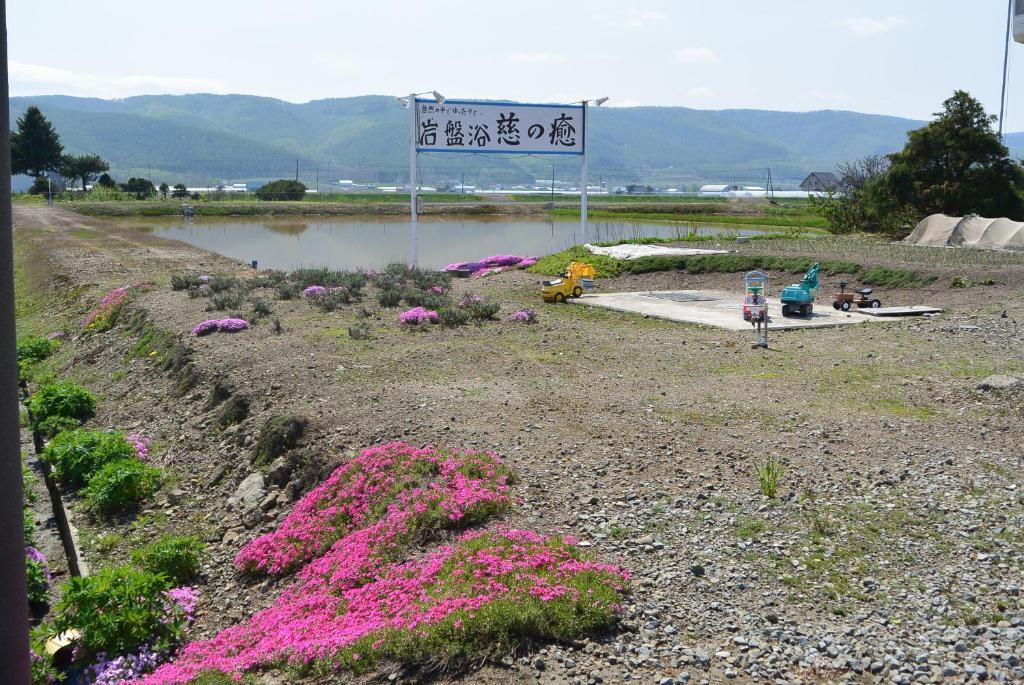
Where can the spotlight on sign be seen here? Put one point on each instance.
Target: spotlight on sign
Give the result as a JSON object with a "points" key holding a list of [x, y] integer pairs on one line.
{"points": [[438, 97]]}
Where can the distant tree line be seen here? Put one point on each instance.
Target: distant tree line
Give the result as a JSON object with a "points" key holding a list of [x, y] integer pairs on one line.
{"points": [[956, 165]]}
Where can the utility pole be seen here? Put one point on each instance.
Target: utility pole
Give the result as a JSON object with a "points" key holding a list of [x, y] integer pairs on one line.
{"points": [[14, 649], [552, 183], [296, 170], [1006, 62]]}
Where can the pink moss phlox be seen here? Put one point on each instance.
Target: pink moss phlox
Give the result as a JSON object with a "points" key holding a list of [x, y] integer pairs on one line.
{"points": [[437, 290], [224, 325], [492, 264], [100, 318], [232, 325], [318, 620], [140, 443], [522, 316], [418, 315], [315, 291], [382, 489], [205, 327]]}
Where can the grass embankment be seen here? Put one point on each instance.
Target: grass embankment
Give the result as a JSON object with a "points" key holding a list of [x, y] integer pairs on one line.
{"points": [[729, 263], [758, 214]]}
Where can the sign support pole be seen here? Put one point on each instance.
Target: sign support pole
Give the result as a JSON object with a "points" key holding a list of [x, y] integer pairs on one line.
{"points": [[414, 227], [583, 179]]}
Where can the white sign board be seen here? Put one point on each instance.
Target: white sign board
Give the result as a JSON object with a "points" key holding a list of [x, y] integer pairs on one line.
{"points": [[509, 127]]}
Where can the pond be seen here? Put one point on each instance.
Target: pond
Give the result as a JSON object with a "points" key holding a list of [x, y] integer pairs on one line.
{"points": [[372, 242]]}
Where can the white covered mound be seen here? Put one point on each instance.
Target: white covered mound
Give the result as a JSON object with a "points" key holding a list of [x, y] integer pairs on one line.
{"points": [[633, 251], [939, 230]]}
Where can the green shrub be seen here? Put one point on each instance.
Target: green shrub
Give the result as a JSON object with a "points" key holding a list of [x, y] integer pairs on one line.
{"points": [[332, 299], [175, 556], [219, 283], [120, 485], [556, 264], [54, 425], [287, 291], [118, 610], [427, 300], [32, 350], [769, 475], [389, 298], [227, 299], [77, 455], [260, 309], [482, 311], [184, 282], [66, 400], [278, 435], [29, 525], [452, 317]]}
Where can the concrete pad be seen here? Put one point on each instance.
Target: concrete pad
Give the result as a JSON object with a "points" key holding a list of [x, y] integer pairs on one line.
{"points": [[714, 308], [912, 310]]}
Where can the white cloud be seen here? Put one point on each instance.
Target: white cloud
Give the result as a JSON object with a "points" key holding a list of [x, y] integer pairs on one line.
{"points": [[866, 26], [633, 19], [696, 56], [37, 79], [536, 58], [700, 92]]}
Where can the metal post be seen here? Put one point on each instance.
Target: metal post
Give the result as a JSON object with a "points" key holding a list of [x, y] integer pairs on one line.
{"points": [[583, 178], [1006, 61], [414, 227], [14, 649]]}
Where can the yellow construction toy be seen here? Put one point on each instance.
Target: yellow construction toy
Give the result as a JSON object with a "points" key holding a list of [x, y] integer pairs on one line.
{"points": [[578, 276]]}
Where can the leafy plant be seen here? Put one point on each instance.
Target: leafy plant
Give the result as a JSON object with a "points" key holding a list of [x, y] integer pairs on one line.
{"points": [[120, 485], [184, 281], [37, 577], [76, 455], [60, 400], [452, 317], [175, 556], [32, 350], [224, 300], [389, 298], [482, 311], [769, 474], [118, 610], [260, 309]]}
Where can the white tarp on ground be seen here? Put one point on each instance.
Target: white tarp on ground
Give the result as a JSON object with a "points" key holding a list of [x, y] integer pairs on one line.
{"points": [[634, 251], [939, 230]]}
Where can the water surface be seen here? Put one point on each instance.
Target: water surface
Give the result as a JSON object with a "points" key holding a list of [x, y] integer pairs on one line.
{"points": [[369, 243]]}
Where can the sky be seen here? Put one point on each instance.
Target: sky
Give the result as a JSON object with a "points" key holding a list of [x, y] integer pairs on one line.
{"points": [[877, 56]]}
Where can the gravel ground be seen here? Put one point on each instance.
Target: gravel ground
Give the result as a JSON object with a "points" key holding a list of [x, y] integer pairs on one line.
{"points": [[892, 552]]}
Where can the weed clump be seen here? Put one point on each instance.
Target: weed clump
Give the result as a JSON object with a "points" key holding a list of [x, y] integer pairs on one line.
{"points": [[278, 435], [175, 556], [769, 475], [60, 406], [32, 350]]}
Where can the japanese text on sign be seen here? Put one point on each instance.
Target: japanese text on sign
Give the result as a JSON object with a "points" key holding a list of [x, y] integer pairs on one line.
{"points": [[470, 126]]}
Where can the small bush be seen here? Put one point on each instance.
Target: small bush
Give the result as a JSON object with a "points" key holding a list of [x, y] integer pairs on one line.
{"points": [[175, 556], [118, 610], [260, 309], [482, 311], [452, 317], [32, 350], [279, 434], [331, 300], [185, 282], [288, 291], [427, 300], [220, 283], [77, 455], [120, 485], [361, 331], [60, 401], [769, 475], [227, 299], [235, 410], [389, 298]]}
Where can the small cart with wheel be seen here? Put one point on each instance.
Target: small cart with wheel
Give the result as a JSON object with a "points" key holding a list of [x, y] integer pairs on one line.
{"points": [[845, 301]]}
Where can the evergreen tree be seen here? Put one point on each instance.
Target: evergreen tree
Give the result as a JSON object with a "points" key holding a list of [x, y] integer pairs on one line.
{"points": [[82, 167], [957, 165], [35, 146]]}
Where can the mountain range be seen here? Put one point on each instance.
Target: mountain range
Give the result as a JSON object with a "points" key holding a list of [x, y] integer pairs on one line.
{"points": [[203, 138]]}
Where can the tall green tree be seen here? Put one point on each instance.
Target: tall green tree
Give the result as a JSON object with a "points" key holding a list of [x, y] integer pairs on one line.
{"points": [[163, 189], [179, 191], [957, 165], [35, 146], [83, 167]]}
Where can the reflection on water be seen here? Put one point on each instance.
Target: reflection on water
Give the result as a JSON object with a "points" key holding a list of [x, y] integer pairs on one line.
{"points": [[353, 243]]}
